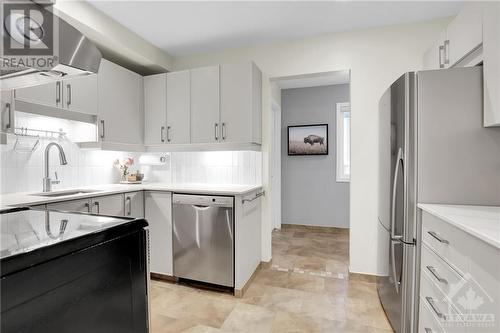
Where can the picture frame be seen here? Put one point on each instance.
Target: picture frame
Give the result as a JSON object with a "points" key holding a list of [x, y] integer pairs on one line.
{"points": [[307, 140]]}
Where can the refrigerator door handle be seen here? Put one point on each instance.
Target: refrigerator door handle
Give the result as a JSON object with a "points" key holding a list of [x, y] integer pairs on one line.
{"points": [[399, 161], [393, 260]]}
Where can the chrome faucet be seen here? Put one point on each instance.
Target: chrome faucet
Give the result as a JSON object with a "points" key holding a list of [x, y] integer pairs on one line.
{"points": [[47, 182]]}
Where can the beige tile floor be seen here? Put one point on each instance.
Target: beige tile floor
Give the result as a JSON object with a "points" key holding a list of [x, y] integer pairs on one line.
{"points": [[305, 288]]}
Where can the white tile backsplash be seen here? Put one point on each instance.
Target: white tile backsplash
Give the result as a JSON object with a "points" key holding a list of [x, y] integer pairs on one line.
{"points": [[22, 172]]}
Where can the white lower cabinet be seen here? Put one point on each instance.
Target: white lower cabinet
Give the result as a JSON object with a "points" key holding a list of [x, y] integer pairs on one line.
{"points": [[108, 205], [158, 213], [459, 280], [134, 204], [80, 205]]}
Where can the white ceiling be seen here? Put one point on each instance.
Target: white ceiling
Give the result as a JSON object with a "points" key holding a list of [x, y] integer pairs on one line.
{"points": [[313, 80], [185, 28]]}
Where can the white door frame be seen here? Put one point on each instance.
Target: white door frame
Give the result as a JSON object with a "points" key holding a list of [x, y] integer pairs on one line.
{"points": [[276, 166]]}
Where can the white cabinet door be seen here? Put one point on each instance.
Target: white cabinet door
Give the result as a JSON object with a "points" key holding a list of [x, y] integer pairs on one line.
{"points": [[464, 32], [108, 205], [121, 106], [80, 94], [178, 107], [49, 94], [134, 204], [155, 109], [7, 112], [433, 57], [491, 63], [241, 105], [80, 205], [158, 209], [205, 114]]}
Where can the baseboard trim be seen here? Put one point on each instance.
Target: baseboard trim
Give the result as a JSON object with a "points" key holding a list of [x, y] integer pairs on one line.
{"points": [[314, 228], [239, 293], [163, 277], [362, 277]]}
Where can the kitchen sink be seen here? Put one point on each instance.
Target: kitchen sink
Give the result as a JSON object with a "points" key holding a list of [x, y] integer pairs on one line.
{"points": [[64, 193]]}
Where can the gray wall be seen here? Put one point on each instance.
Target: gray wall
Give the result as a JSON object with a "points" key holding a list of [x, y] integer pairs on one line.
{"points": [[310, 193]]}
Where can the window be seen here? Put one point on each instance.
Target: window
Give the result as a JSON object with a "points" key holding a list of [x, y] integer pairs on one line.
{"points": [[343, 142]]}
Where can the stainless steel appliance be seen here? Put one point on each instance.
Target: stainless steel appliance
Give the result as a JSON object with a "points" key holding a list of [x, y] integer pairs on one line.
{"points": [[432, 149], [203, 238], [76, 54]]}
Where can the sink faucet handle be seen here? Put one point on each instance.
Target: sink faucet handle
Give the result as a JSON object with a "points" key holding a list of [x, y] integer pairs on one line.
{"points": [[57, 181]]}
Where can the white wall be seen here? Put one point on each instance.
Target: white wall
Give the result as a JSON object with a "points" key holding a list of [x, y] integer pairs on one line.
{"points": [[376, 57]]}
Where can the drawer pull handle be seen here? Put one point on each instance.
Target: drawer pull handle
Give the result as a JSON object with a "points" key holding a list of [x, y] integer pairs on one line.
{"points": [[438, 313], [439, 238], [427, 330], [434, 272]]}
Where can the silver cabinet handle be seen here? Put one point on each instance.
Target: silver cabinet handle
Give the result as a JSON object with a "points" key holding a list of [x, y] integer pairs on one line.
{"points": [[223, 131], [427, 330], [447, 52], [162, 129], [434, 272], [129, 200], [58, 92], [438, 313], [399, 162], [441, 51], [439, 238], [168, 134], [216, 132], [97, 205], [87, 205], [68, 91], [8, 108], [102, 129]]}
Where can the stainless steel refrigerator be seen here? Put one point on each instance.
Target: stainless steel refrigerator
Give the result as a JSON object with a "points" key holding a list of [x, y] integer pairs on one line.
{"points": [[433, 148]]}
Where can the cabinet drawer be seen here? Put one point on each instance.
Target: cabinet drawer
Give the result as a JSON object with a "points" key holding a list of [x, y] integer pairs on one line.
{"points": [[441, 308], [427, 323], [447, 241], [438, 271]]}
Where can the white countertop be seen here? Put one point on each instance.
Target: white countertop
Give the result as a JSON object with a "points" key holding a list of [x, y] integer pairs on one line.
{"points": [[482, 222], [27, 198]]}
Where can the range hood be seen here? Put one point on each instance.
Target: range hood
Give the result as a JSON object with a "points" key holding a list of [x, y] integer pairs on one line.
{"points": [[76, 54]]}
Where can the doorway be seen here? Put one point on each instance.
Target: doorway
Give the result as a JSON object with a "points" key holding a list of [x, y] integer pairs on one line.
{"points": [[313, 187]]}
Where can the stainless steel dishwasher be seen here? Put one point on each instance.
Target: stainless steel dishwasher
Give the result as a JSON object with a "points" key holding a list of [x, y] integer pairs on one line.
{"points": [[203, 238]]}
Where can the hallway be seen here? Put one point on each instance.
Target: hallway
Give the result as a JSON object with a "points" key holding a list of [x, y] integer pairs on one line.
{"points": [[305, 288]]}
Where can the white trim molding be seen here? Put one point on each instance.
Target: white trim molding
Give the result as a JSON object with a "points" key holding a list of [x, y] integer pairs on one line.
{"points": [[342, 136]]}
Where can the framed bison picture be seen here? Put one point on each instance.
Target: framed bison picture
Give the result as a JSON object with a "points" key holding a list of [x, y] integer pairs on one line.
{"points": [[308, 140]]}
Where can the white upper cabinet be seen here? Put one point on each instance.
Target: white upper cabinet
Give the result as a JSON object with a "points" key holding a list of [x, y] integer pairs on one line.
{"points": [[121, 105], [464, 33], [6, 115], [49, 94], [178, 107], [434, 57], [241, 103], [491, 63], [205, 105], [80, 94], [458, 42], [155, 109], [77, 94]]}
